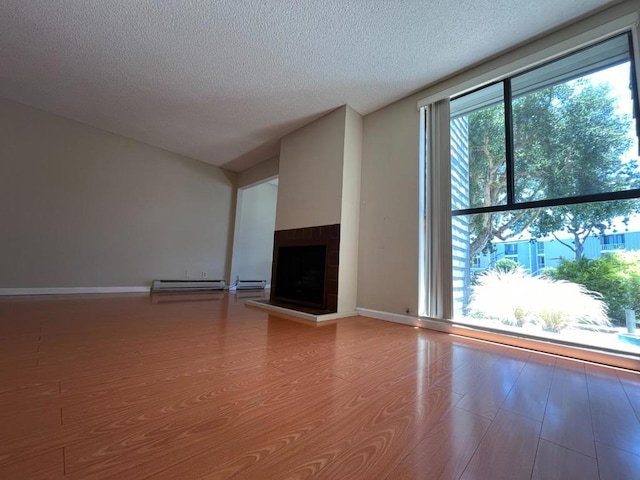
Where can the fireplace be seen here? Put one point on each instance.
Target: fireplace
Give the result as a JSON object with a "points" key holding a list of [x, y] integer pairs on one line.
{"points": [[301, 275], [305, 268]]}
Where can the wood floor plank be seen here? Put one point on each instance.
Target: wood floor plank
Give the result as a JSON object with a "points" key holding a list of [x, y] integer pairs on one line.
{"points": [[530, 393], [631, 384], [359, 445], [491, 388], [374, 453], [10, 361], [425, 355], [46, 466], [17, 423], [132, 387], [26, 382], [133, 401], [507, 451], [262, 445], [554, 462], [471, 365], [567, 419], [158, 369], [446, 449], [129, 440], [614, 421], [35, 395], [617, 464]]}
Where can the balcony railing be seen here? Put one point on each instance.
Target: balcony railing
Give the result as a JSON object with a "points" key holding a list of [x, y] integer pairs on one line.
{"points": [[612, 246]]}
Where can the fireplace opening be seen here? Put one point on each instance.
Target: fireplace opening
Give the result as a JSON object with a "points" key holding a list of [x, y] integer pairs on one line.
{"points": [[301, 275], [305, 269]]}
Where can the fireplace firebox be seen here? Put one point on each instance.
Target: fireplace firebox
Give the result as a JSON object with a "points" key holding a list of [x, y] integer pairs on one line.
{"points": [[301, 271], [305, 268]]}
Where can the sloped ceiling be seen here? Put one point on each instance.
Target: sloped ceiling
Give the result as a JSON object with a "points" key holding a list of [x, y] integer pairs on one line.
{"points": [[222, 81]]}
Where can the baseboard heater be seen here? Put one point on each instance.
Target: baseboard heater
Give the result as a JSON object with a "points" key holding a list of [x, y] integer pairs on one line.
{"points": [[186, 285], [251, 284]]}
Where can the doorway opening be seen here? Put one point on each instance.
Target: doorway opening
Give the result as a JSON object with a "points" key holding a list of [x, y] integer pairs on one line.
{"points": [[254, 228]]}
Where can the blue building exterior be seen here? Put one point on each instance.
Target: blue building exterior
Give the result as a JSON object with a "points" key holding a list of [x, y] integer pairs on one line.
{"points": [[537, 254]]}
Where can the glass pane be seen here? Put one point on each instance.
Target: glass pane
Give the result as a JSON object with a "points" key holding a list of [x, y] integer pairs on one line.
{"points": [[568, 273], [573, 126], [478, 161]]}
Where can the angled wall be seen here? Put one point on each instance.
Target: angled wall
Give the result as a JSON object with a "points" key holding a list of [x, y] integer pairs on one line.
{"points": [[82, 207]]}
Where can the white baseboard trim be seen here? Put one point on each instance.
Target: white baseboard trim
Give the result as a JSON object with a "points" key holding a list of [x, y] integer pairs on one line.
{"points": [[71, 290], [405, 319], [233, 288]]}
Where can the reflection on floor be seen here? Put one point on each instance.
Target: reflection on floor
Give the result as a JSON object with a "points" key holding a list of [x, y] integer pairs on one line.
{"points": [[123, 386], [612, 339]]}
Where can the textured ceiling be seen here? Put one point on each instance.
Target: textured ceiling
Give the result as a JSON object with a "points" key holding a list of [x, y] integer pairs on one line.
{"points": [[222, 81]]}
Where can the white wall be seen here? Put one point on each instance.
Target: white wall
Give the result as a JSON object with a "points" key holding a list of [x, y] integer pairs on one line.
{"points": [[253, 240], [84, 207]]}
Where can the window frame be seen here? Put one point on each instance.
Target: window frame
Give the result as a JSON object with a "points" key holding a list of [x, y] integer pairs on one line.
{"points": [[511, 204], [541, 261], [511, 248]]}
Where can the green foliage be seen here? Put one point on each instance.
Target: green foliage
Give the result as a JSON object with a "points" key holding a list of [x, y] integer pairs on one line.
{"points": [[568, 141], [616, 276], [554, 320], [506, 265]]}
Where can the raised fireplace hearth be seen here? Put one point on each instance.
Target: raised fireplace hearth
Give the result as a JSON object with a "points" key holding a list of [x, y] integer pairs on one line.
{"points": [[305, 268]]}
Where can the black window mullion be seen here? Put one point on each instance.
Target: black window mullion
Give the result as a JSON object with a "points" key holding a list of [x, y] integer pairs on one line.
{"points": [[553, 202], [508, 130]]}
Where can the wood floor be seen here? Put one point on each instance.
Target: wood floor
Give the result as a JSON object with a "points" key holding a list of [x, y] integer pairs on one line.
{"points": [[183, 387]]}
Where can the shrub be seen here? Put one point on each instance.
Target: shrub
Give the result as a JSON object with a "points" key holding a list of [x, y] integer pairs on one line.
{"points": [[616, 276], [554, 320], [506, 265], [516, 298]]}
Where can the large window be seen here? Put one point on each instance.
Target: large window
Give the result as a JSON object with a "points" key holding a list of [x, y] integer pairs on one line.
{"points": [[544, 167]]}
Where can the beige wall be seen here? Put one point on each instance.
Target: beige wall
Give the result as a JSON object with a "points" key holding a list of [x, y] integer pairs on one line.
{"points": [[84, 207], [253, 240], [259, 173], [350, 212], [388, 248], [310, 174]]}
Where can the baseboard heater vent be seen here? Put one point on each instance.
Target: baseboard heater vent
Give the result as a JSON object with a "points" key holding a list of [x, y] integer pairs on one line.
{"points": [[186, 285], [251, 284]]}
